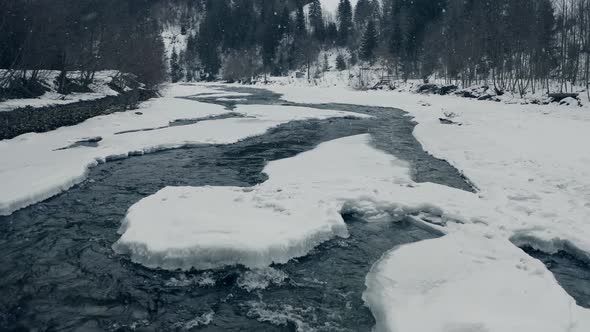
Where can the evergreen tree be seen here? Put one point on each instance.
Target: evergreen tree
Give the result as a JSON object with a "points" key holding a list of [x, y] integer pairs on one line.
{"points": [[316, 20], [300, 27], [340, 62], [362, 12], [369, 42], [285, 21], [345, 22], [271, 38], [175, 70], [208, 49], [331, 33]]}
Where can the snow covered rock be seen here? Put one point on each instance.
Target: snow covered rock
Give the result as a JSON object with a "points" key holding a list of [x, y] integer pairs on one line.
{"points": [[466, 282]]}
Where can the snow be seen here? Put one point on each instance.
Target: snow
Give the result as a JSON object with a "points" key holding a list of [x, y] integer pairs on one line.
{"points": [[173, 40], [532, 185], [531, 170], [40, 160], [298, 208], [526, 160], [99, 87], [464, 282]]}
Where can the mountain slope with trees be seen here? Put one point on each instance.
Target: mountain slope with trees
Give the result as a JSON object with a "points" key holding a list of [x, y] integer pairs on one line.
{"points": [[515, 45]]}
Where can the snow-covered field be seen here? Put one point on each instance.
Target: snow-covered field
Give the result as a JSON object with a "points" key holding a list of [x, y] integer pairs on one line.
{"points": [[99, 87]]}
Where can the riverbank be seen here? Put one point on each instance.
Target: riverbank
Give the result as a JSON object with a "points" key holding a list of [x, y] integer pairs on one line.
{"points": [[43, 119]]}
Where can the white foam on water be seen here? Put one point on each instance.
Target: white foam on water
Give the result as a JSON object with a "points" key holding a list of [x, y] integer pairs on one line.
{"points": [[255, 279]]}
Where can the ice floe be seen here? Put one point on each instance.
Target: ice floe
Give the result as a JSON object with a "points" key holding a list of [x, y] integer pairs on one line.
{"points": [[468, 282], [298, 208]]}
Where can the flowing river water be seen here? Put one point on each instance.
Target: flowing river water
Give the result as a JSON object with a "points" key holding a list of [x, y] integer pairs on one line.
{"points": [[59, 273]]}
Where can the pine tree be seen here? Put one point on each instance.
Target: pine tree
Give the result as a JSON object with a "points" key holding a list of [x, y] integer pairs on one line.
{"points": [[272, 35], [175, 70], [316, 20], [300, 27], [340, 62], [331, 33], [285, 21], [362, 12], [345, 22], [208, 51], [369, 42]]}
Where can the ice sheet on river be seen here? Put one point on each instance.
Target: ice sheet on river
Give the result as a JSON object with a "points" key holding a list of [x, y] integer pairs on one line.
{"points": [[299, 207], [35, 166]]}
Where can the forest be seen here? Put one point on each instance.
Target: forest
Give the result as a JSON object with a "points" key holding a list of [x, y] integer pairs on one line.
{"points": [[516, 45], [79, 36]]}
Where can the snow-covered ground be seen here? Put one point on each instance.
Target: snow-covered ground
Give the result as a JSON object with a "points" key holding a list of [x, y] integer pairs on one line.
{"points": [[528, 162], [530, 165], [99, 87], [49, 163]]}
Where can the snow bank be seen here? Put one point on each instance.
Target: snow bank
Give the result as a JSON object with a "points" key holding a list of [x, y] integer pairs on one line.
{"points": [[298, 208], [464, 282], [35, 166]]}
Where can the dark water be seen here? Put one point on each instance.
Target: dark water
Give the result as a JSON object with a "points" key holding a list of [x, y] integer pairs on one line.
{"points": [[572, 273], [59, 273]]}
